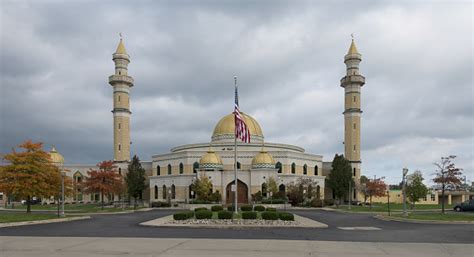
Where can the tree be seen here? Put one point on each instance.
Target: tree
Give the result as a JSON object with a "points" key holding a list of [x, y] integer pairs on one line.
{"points": [[105, 180], [363, 187], [415, 188], [303, 190], [272, 186], [447, 174], [376, 187], [340, 176], [202, 187], [30, 173], [135, 179]]}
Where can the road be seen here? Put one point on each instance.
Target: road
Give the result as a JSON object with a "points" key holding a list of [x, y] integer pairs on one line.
{"points": [[127, 225]]}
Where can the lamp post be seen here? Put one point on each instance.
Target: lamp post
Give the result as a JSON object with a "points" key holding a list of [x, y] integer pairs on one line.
{"points": [[388, 199], [405, 172], [62, 194], [350, 194]]}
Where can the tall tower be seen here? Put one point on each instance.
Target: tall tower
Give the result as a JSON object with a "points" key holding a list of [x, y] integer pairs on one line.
{"points": [[121, 83], [352, 84]]}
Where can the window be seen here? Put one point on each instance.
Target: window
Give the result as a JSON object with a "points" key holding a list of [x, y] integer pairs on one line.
{"points": [[238, 165], [119, 126], [425, 198], [120, 147], [120, 171], [318, 192], [278, 166], [354, 147], [355, 98], [164, 192], [156, 192], [173, 192], [158, 170], [354, 172], [282, 188], [181, 168], [293, 168], [264, 189], [195, 167], [433, 197], [316, 170], [119, 98], [192, 194], [169, 169], [305, 169], [354, 126]]}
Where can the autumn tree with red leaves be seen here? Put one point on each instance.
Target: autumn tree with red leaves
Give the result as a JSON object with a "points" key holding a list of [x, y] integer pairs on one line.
{"points": [[30, 173], [105, 180], [375, 187], [447, 174]]}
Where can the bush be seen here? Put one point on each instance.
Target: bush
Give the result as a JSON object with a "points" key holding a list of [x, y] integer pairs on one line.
{"points": [[259, 208], [160, 204], [249, 215], [217, 208], [199, 202], [201, 209], [316, 203], [286, 216], [328, 202], [271, 209], [224, 215], [230, 208], [269, 215], [246, 207], [175, 205], [203, 214], [215, 197], [183, 215], [274, 201]]}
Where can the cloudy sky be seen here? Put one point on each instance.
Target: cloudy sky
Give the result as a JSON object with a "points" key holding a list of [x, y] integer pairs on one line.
{"points": [[288, 55]]}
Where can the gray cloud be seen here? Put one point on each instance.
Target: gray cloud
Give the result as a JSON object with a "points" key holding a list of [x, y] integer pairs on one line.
{"points": [[417, 57]]}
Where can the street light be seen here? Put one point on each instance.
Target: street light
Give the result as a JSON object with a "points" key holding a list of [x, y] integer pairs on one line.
{"points": [[63, 174], [405, 172]]}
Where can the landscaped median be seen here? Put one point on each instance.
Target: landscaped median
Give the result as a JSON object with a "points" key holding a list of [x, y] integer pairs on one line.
{"points": [[248, 216], [431, 217], [21, 219]]}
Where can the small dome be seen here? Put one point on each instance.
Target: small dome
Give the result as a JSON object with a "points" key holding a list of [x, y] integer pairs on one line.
{"points": [[226, 127], [263, 160], [56, 157], [210, 160]]}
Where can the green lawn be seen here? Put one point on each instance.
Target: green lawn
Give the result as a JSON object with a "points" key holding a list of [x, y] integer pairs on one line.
{"points": [[383, 207], [74, 208], [16, 217], [450, 216]]}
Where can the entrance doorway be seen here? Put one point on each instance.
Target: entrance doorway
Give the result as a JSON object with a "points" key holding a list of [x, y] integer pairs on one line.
{"points": [[242, 191]]}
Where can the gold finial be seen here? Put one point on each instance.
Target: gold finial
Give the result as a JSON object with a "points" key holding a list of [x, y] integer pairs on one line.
{"points": [[352, 36], [53, 148], [120, 35]]}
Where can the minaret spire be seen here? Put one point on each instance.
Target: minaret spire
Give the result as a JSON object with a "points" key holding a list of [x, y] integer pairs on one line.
{"points": [[352, 84], [121, 82]]}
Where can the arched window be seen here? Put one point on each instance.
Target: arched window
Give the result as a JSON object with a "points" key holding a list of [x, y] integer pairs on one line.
{"points": [[195, 167], [173, 192], [318, 192], [181, 168], [238, 165], [293, 168], [156, 192], [158, 170], [354, 171], [264, 189], [192, 194], [305, 169], [164, 193], [316, 170], [120, 171], [282, 188], [278, 166], [169, 169]]}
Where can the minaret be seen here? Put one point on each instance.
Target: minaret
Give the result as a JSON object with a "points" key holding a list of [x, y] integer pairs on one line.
{"points": [[121, 83], [352, 84]]}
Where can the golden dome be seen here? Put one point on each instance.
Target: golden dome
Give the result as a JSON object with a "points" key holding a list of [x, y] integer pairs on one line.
{"points": [[226, 126], [121, 48], [56, 157], [210, 160], [353, 48], [263, 160]]}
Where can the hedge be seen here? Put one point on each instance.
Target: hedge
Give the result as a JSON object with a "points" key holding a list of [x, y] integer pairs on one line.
{"points": [[274, 201], [224, 215], [246, 207], [269, 215], [286, 216], [200, 202], [183, 215], [217, 208], [201, 209], [230, 208], [271, 209], [259, 208], [249, 215], [160, 204], [203, 214]]}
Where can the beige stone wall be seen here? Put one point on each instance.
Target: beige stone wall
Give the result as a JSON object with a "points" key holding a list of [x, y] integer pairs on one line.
{"points": [[352, 137], [121, 138]]}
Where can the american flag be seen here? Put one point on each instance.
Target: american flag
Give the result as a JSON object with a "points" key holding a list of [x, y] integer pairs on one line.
{"points": [[241, 130]]}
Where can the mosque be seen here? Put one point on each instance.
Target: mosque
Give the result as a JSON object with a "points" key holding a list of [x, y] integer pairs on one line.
{"points": [[171, 174]]}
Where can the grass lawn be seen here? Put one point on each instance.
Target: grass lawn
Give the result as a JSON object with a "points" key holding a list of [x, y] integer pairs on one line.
{"points": [[450, 216], [74, 208], [383, 207], [16, 217]]}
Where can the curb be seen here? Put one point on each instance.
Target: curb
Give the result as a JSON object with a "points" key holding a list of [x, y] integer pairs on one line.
{"points": [[35, 222], [458, 222]]}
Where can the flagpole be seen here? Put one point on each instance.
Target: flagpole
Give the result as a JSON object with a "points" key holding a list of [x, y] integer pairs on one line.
{"points": [[235, 155]]}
